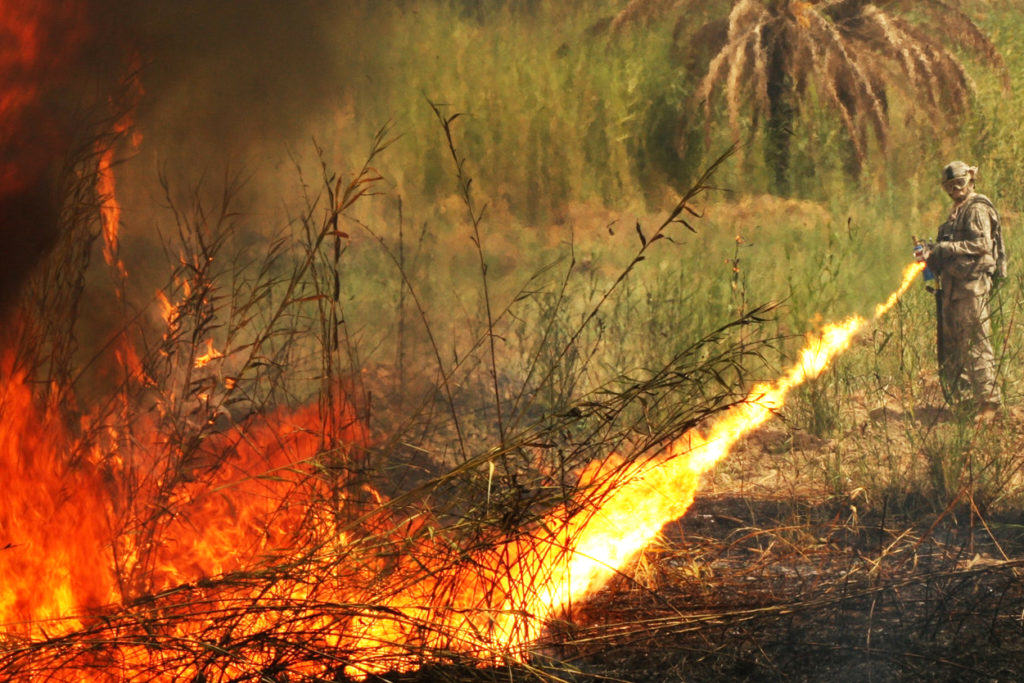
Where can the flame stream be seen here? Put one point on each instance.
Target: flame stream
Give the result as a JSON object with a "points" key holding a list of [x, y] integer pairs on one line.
{"points": [[635, 513], [544, 575]]}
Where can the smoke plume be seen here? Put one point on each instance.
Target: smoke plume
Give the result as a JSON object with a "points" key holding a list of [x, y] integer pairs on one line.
{"points": [[220, 82]]}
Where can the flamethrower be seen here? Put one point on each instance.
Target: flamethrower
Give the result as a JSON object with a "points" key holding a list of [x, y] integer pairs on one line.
{"points": [[921, 251]]}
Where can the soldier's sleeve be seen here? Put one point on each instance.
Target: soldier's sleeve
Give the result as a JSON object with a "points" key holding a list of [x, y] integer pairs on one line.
{"points": [[978, 235]]}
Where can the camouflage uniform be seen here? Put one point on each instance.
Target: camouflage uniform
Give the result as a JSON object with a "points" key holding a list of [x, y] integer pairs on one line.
{"points": [[965, 257]]}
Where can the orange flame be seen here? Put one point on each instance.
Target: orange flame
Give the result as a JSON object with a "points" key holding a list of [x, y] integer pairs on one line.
{"points": [[244, 494], [211, 354], [45, 499], [110, 208], [168, 311], [518, 586], [106, 183]]}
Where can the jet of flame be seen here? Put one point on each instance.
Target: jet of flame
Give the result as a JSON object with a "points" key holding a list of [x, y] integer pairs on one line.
{"points": [[634, 513], [541, 576]]}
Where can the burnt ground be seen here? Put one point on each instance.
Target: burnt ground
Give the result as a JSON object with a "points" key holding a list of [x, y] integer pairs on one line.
{"points": [[769, 576], [757, 590], [762, 590]]}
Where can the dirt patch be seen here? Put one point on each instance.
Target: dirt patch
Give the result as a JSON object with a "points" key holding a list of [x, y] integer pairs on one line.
{"points": [[764, 589]]}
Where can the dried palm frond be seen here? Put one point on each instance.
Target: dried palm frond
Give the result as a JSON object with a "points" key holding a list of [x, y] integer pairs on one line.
{"points": [[747, 22], [849, 53]]}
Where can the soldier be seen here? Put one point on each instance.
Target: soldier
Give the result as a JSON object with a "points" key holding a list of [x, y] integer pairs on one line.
{"points": [[968, 255]]}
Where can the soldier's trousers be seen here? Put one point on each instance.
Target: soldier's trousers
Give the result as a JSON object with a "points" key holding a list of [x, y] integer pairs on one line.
{"points": [[968, 360]]}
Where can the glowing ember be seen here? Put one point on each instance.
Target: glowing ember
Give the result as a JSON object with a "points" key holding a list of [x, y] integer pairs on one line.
{"points": [[211, 354]]}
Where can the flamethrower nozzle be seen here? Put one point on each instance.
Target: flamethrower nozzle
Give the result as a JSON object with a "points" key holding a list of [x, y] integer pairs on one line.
{"points": [[921, 252]]}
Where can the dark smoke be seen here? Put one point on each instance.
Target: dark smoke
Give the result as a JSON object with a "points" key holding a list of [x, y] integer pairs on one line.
{"points": [[221, 80], [219, 74], [29, 221], [39, 46]]}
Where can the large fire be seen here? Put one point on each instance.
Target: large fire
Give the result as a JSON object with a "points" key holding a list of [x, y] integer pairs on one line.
{"points": [[69, 548], [252, 507]]}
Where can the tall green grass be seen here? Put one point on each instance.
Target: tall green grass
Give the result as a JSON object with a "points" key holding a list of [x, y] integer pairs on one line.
{"points": [[575, 138]]}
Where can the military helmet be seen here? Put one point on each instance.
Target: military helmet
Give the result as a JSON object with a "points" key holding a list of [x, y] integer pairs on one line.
{"points": [[955, 169]]}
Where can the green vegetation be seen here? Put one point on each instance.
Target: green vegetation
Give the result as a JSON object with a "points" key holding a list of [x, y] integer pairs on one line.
{"points": [[575, 120]]}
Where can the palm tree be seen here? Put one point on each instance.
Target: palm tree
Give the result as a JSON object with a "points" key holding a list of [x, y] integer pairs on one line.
{"points": [[771, 55]]}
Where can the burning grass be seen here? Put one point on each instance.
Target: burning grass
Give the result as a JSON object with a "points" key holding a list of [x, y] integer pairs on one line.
{"points": [[238, 549], [192, 525]]}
